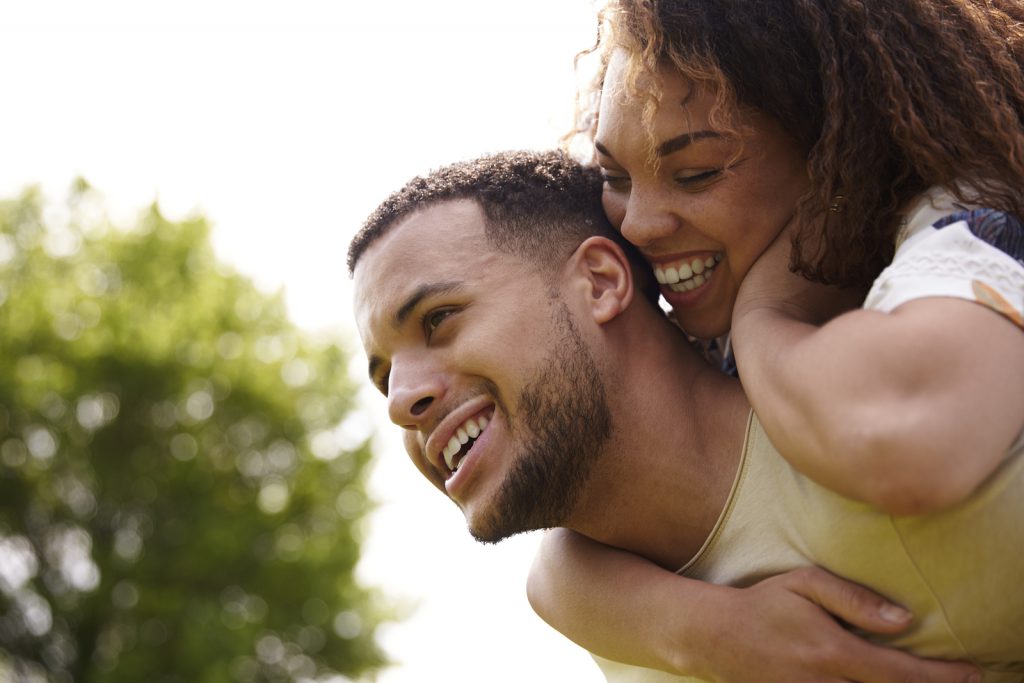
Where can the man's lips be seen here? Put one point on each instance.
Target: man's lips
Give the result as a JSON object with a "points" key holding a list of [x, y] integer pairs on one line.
{"points": [[464, 438], [455, 434]]}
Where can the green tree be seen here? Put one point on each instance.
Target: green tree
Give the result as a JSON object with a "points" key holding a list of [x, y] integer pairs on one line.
{"points": [[179, 497]]}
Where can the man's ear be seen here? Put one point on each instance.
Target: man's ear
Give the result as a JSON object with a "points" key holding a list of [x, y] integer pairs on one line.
{"points": [[603, 272]]}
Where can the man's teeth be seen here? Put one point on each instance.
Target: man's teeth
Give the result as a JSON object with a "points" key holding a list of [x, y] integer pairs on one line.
{"points": [[470, 429], [687, 275]]}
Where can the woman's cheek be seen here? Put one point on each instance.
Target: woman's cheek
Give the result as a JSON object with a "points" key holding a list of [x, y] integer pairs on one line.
{"points": [[614, 208]]}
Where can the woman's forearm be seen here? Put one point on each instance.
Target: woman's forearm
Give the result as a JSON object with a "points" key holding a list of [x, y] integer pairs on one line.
{"points": [[904, 410], [784, 629]]}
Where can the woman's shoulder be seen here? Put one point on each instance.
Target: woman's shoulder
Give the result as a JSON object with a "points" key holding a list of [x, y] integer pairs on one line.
{"points": [[948, 248], [938, 209]]}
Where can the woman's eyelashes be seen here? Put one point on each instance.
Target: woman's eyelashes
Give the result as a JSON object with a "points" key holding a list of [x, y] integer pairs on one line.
{"points": [[694, 181], [697, 180], [615, 182]]}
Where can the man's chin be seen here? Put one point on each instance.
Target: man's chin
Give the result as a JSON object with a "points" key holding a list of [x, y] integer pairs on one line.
{"points": [[492, 528], [491, 537], [486, 533]]}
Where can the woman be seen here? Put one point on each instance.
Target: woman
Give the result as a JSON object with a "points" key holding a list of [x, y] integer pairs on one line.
{"points": [[729, 131]]}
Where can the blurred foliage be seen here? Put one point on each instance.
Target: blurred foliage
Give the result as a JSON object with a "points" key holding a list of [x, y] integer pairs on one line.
{"points": [[181, 496]]}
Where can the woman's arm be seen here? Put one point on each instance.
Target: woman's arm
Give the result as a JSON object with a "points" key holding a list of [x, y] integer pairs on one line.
{"points": [[783, 629], [908, 410]]}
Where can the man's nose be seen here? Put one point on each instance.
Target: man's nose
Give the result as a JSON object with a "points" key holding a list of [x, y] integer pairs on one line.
{"points": [[414, 387], [648, 218]]}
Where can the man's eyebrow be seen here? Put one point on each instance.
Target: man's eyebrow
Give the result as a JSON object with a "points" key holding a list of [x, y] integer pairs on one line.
{"points": [[408, 306], [421, 293]]}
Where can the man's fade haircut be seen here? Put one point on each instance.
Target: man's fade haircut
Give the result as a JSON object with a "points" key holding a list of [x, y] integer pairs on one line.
{"points": [[539, 206]]}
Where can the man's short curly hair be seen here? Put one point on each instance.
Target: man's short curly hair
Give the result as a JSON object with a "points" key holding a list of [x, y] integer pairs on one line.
{"points": [[537, 205]]}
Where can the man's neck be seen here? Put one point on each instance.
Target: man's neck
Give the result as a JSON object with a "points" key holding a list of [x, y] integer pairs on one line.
{"points": [[678, 427]]}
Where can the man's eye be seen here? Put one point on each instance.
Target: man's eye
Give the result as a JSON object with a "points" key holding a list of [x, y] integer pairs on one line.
{"points": [[434, 318]]}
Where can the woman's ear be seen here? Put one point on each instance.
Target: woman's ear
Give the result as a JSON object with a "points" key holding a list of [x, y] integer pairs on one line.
{"points": [[601, 269]]}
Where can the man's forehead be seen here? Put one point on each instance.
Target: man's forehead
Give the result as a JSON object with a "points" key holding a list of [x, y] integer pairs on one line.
{"points": [[435, 230], [433, 245]]}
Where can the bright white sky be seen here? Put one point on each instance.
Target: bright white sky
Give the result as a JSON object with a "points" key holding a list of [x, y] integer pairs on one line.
{"points": [[286, 123]]}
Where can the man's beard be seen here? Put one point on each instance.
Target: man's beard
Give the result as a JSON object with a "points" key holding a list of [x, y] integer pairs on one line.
{"points": [[568, 421]]}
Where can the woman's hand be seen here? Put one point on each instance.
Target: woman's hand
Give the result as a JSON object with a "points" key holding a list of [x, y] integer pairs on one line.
{"points": [[785, 629], [770, 287], [789, 629]]}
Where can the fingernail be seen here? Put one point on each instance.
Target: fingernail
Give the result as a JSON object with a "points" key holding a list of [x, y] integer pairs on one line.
{"points": [[974, 677], [894, 614]]}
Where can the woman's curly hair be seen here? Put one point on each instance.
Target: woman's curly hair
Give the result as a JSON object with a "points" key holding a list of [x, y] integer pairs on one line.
{"points": [[887, 97]]}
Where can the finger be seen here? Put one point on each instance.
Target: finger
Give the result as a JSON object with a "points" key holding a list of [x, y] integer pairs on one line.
{"points": [[851, 602], [876, 664]]}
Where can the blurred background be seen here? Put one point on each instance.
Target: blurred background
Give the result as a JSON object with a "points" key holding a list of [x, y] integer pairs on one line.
{"points": [[196, 481]]}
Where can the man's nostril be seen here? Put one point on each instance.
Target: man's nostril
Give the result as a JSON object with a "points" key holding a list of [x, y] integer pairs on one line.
{"points": [[421, 405]]}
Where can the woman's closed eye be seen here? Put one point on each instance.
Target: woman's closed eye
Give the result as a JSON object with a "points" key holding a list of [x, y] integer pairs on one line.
{"points": [[698, 180], [615, 181]]}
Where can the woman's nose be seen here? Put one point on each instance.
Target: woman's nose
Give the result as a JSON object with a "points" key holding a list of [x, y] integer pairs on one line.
{"points": [[648, 218]]}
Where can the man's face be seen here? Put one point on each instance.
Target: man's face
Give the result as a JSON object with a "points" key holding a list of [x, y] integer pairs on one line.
{"points": [[484, 366]]}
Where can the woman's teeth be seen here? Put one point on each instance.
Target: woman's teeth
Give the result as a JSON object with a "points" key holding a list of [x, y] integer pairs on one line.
{"points": [[687, 275], [469, 431]]}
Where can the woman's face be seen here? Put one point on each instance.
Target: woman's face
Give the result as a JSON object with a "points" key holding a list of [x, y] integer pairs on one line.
{"points": [[713, 203]]}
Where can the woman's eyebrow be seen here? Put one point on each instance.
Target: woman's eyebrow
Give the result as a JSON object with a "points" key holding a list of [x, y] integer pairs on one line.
{"points": [[670, 146], [677, 143]]}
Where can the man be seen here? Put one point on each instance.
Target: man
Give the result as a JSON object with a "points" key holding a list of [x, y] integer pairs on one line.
{"points": [[517, 340]]}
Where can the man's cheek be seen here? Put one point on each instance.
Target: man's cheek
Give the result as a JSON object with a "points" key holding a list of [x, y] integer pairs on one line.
{"points": [[413, 442]]}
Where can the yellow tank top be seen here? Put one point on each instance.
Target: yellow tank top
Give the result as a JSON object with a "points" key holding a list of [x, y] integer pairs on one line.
{"points": [[961, 571]]}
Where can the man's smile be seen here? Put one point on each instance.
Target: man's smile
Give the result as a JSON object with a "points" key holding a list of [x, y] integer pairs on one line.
{"points": [[455, 435], [462, 441]]}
